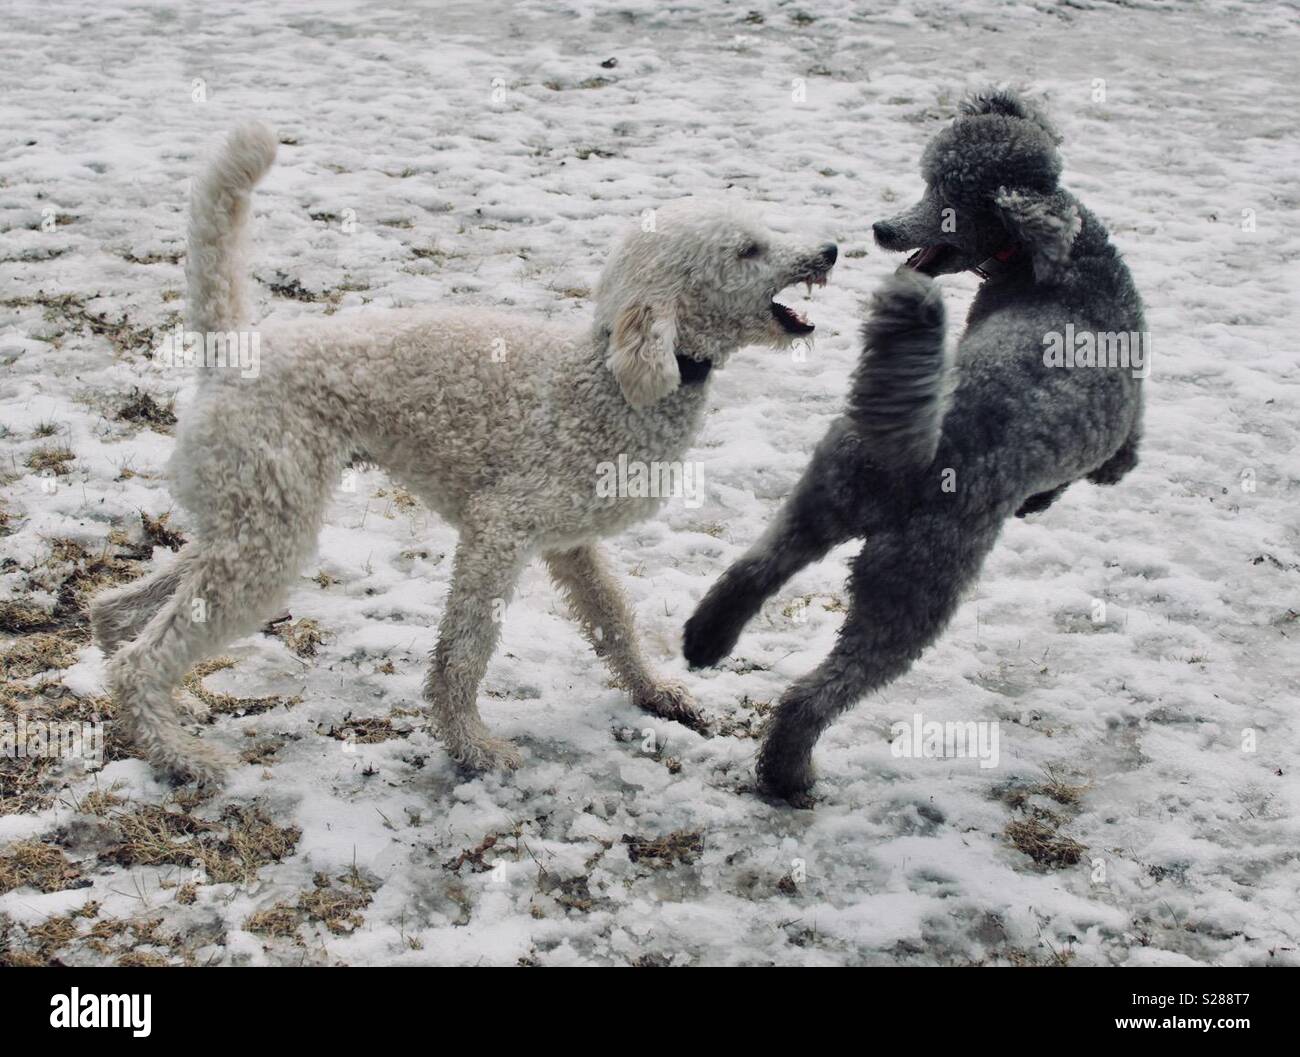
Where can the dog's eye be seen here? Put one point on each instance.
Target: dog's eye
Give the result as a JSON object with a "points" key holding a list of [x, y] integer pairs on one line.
{"points": [[750, 250]]}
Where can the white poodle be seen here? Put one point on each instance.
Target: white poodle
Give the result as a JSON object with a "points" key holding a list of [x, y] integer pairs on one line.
{"points": [[499, 422]]}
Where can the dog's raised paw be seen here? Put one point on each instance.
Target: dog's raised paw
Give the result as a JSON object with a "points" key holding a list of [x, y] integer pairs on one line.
{"points": [[700, 645], [713, 629], [907, 299]]}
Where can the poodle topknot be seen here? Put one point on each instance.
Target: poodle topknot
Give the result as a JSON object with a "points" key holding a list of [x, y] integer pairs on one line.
{"points": [[930, 458], [499, 422]]}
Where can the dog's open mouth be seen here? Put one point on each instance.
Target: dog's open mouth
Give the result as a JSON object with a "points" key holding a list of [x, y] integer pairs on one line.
{"points": [[793, 322], [929, 259]]}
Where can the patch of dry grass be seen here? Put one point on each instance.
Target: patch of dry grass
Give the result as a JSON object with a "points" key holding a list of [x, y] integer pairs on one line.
{"points": [[368, 731], [38, 944], [18, 616], [25, 784], [1039, 836], [399, 501], [336, 903], [662, 853], [33, 864], [262, 751], [29, 783], [157, 532], [100, 802], [1055, 786], [281, 921], [1037, 832], [72, 575], [71, 310], [229, 704], [33, 654], [231, 849], [302, 636], [50, 458], [142, 409]]}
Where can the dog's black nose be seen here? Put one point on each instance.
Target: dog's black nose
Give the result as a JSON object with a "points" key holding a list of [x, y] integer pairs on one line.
{"points": [[883, 231], [830, 252]]}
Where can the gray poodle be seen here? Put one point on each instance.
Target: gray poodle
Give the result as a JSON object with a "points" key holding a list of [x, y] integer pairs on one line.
{"points": [[930, 459]]}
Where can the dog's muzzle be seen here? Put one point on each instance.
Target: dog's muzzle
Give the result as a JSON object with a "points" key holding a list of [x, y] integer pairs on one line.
{"points": [[816, 274]]}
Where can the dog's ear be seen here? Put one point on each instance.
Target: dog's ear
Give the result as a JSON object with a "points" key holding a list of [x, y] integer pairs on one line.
{"points": [[1008, 103], [642, 350], [1045, 224]]}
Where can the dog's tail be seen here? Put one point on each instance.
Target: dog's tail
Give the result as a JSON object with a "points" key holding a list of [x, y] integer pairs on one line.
{"points": [[215, 269], [902, 386]]}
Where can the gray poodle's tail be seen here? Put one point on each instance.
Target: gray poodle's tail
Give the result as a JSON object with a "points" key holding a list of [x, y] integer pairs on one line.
{"points": [[215, 265], [902, 386]]}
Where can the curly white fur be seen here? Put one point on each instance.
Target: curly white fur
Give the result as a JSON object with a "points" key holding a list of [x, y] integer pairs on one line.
{"points": [[497, 421]]}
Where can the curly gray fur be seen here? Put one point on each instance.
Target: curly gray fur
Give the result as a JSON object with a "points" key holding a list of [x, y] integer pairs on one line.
{"points": [[899, 392], [1017, 433]]}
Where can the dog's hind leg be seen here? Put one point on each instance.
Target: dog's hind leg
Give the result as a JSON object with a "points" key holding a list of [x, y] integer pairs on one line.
{"points": [[489, 559], [602, 612], [905, 587], [234, 575], [223, 594], [120, 614]]}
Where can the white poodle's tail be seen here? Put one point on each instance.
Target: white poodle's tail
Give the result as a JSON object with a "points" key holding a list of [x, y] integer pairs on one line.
{"points": [[215, 269], [902, 386]]}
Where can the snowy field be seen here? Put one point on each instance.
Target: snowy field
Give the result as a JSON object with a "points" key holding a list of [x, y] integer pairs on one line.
{"points": [[1145, 807]]}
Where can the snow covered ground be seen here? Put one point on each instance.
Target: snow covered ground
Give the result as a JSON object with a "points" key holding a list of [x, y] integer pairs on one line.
{"points": [[1145, 806]]}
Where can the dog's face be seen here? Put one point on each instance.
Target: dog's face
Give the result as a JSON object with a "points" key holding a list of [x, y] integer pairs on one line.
{"points": [[990, 186], [698, 282]]}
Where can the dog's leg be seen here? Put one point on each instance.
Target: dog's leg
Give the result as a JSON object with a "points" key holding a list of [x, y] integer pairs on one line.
{"points": [[602, 612], [489, 559], [799, 536], [260, 523], [1036, 503], [224, 592], [1119, 464], [120, 614], [904, 589]]}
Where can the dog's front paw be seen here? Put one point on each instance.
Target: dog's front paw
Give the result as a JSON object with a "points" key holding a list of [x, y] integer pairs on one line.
{"points": [[908, 300], [671, 700], [713, 630], [482, 754]]}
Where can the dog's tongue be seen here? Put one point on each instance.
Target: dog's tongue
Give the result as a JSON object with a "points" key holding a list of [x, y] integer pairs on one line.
{"points": [[924, 257]]}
